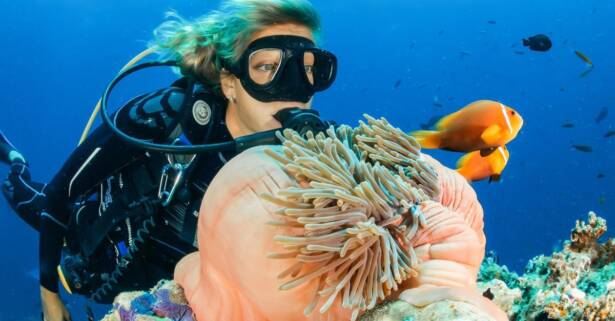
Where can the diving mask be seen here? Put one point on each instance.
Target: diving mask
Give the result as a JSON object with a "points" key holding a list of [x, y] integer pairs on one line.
{"points": [[284, 68]]}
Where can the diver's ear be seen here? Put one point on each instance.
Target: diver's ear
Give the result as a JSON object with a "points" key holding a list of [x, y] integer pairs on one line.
{"points": [[227, 82]]}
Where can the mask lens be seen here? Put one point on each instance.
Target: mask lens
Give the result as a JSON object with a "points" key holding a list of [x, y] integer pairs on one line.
{"points": [[264, 65], [308, 64], [324, 68]]}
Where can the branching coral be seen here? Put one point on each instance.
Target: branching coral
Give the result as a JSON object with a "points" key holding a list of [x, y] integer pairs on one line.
{"points": [[585, 235], [356, 205]]}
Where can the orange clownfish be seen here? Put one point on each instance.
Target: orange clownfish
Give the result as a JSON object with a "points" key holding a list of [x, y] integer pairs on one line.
{"points": [[475, 167], [481, 125]]}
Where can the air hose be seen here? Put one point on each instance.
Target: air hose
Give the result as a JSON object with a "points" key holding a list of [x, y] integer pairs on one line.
{"points": [[120, 268]]}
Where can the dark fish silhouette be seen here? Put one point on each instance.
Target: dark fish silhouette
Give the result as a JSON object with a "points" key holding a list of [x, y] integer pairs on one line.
{"points": [[602, 114], [487, 294], [491, 22], [583, 148], [517, 52], [567, 125], [610, 133], [600, 175], [538, 42], [464, 53], [397, 83], [431, 122]]}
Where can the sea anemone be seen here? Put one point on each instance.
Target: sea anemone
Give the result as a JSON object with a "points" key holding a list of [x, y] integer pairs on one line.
{"points": [[356, 203]]}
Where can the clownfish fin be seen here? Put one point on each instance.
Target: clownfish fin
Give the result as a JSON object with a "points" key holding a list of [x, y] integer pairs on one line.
{"points": [[463, 160], [462, 169], [487, 151], [491, 135], [445, 121], [495, 178], [429, 139]]}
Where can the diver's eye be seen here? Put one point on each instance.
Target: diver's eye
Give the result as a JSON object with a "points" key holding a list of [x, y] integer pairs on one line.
{"points": [[309, 69], [267, 67]]}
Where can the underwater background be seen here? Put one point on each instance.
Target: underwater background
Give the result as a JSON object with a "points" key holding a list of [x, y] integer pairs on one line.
{"points": [[407, 61]]}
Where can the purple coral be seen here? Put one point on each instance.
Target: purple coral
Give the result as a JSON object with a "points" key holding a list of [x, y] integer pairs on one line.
{"points": [[164, 302], [165, 307], [143, 303], [126, 315]]}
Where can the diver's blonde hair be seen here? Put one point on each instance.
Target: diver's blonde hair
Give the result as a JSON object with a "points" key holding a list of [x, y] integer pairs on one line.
{"points": [[201, 45]]}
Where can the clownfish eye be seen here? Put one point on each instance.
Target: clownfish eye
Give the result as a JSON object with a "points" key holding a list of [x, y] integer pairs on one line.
{"points": [[512, 112]]}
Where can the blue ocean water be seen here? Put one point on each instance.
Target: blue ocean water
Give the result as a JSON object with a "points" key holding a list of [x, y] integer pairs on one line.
{"points": [[396, 58]]}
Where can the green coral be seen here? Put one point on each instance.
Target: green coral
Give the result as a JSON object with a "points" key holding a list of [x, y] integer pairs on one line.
{"points": [[490, 270], [570, 284], [594, 283]]}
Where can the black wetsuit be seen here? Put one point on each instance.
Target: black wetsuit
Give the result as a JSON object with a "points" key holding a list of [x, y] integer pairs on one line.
{"points": [[106, 179]]}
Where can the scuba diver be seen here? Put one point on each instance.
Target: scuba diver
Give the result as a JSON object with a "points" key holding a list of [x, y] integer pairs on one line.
{"points": [[123, 208]]}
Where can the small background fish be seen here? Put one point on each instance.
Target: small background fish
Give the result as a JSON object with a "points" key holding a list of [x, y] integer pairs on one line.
{"points": [[604, 111], [583, 57], [583, 148], [539, 42]]}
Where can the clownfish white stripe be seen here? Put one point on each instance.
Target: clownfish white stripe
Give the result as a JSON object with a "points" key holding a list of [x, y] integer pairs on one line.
{"points": [[503, 109], [501, 150]]}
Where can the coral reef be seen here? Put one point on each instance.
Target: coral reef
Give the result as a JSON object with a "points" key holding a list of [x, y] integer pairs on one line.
{"points": [[164, 302], [497, 291], [576, 283], [439, 311]]}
